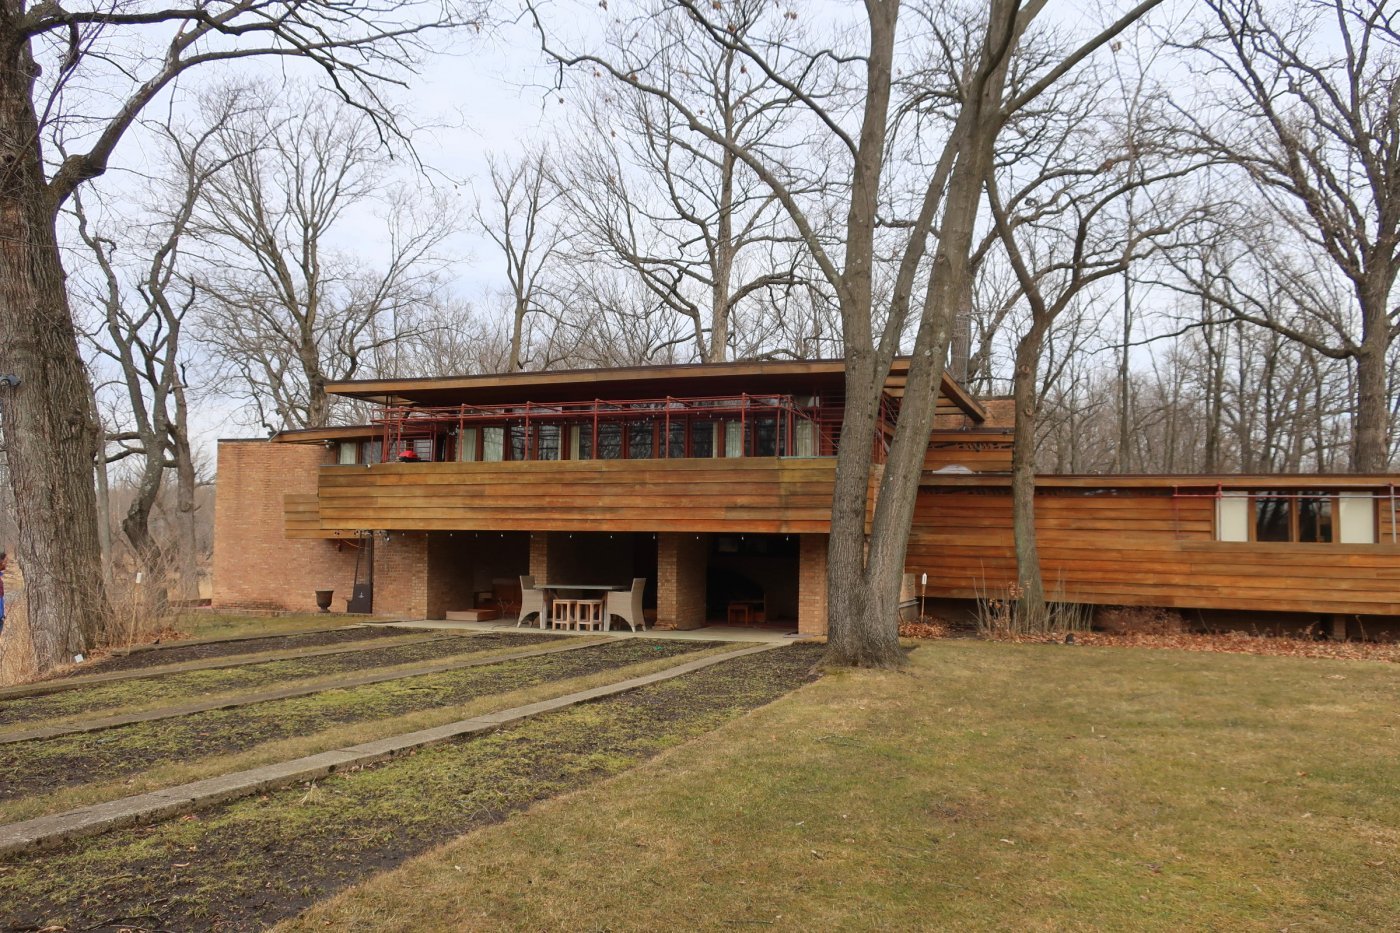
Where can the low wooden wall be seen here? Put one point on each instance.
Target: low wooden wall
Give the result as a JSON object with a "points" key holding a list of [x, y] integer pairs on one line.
{"points": [[788, 496], [1143, 547]]}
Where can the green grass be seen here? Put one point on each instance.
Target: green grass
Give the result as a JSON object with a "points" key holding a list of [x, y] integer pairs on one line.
{"points": [[990, 787]]}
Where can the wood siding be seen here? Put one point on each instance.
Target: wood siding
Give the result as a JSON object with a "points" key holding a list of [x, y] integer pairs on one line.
{"points": [[1144, 548], [979, 451], [741, 494], [301, 517]]}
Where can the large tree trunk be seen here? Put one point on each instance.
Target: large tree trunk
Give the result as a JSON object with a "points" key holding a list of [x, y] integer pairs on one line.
{"points": [[1372, 448], [1025, 395], [46, 419]]}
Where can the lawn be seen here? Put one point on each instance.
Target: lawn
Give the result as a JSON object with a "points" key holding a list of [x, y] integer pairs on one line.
{"points": [[991, 786]]}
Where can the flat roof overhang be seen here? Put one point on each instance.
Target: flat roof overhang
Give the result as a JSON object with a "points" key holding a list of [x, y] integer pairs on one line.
{"points": [[639, 382], [1368, 481]]}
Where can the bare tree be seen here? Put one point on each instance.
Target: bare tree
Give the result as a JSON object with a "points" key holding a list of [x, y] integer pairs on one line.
{"points": [[144, 298], [520, 218], [284, 310], [1313, 122], [1073, 215], [679, 211], [89, 70], [846, 99]]}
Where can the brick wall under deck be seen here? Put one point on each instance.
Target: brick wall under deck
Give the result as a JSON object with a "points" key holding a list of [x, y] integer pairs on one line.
{"points": [[401, 575], [255, 565], [811, 585], [681, 563]]}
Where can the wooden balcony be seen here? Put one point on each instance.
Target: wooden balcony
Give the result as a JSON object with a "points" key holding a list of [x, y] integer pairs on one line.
{"points": [[786, 496]]}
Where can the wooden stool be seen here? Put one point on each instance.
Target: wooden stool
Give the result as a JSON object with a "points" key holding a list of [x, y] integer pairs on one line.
{"points": [[564, 614], [588, 613]]}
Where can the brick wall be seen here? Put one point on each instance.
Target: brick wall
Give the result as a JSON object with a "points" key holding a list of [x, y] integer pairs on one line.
{"points": [[811, 585], [401, 575], [255, 565], [680, 580]]}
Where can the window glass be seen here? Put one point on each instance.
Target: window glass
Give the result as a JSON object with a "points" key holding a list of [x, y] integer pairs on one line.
{"points": [[765, 437], [1315, 518], [348, 453], [547, 442], [702, 439], [493, 441], [1272, 519], [374, 452], [584, 433], [640, 436], [733, 439], [466, 443], [609, 446], [1356, 518], [517, 442], [423, 447], [804, 439], [575, 446], [675, 439]]}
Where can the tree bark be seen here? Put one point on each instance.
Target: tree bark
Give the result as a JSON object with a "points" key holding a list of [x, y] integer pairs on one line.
{"points": [[1372, 447], [1025, 395], [46, 421]]}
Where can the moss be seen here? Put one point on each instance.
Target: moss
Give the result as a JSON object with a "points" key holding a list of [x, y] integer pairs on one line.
{"points": [[253, 861], [42, 765]]}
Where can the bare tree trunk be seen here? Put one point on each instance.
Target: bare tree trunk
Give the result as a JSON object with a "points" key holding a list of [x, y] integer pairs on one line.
{"points": [[46, 419], [1024, 393], [1372, 453]]}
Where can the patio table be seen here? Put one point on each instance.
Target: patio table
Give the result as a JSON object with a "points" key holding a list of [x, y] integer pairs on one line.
{"points": [[584, 587]]}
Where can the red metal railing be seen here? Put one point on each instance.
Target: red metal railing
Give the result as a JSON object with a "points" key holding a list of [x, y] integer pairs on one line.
{"points": [[403, 424]]}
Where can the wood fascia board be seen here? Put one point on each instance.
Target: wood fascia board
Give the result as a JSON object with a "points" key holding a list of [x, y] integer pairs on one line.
{"points": [[319, 435], [1171, 481]]}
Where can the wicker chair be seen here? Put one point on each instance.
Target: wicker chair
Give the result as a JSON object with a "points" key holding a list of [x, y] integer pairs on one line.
{"points": [[627, 606], [532, 602]]}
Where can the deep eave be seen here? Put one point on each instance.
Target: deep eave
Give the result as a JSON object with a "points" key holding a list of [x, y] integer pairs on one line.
{"points": [[337, 433], [633, 382]]}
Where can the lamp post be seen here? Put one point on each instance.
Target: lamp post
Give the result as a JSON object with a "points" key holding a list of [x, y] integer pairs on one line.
{"points": [[923, 586]]}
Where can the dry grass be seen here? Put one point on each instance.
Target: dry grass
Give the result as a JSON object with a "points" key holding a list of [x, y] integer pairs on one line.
{"points": [[174, 774], [992, 787]]}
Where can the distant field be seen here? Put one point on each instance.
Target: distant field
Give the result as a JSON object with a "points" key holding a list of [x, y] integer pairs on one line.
{"points": [[993, 787]]}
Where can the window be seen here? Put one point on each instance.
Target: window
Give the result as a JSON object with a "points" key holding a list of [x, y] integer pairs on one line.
{"points": [[702, 438], [547, 442], [372, 452], [804, 435], [765, 437], [347, 453], [675, 439], [640, 437], [1273, 518], [493, 444], [466, 444], [733, 439], [609, 441], [1300, 517]]}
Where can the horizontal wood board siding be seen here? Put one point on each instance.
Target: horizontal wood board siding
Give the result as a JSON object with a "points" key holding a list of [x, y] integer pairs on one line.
{"points": [[1136, 548], [786, 496], [979, 451], [301, 516]]}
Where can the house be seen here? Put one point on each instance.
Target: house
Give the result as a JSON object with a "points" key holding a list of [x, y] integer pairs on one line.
{"points": [[714, 482]]}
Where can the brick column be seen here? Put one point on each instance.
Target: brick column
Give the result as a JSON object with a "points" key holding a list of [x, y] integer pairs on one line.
{"points": [[401, 575], [539, 556], [681, 562], [811, 585]]}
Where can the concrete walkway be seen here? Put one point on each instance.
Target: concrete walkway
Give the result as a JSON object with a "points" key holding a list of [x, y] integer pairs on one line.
{"points": [[732, 633], [48, 687], [48, 831], [282, 693]]}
